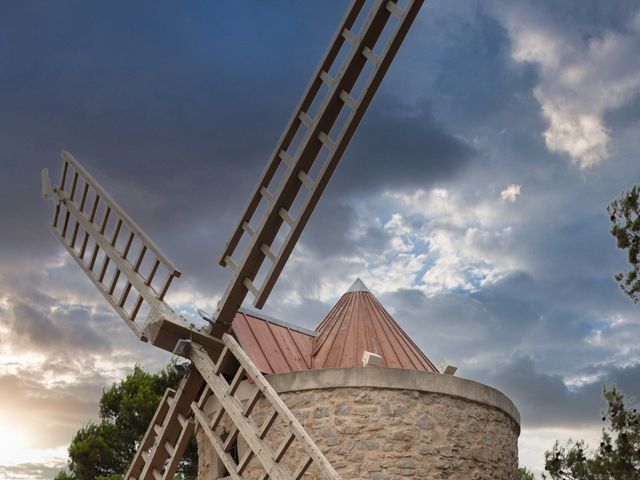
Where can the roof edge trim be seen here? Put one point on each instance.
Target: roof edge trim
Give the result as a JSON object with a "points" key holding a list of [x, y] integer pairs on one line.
{"points": [[281, 323]]}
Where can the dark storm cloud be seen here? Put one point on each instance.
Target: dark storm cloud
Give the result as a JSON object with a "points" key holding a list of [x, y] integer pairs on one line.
{"points": [[37, 319], [175, 111], [483, 332], [397, 151], [153, 96], [544, 400]]}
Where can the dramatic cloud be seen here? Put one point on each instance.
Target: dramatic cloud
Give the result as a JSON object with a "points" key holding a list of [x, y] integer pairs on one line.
{"points": [[581, 78], [450, 203]]}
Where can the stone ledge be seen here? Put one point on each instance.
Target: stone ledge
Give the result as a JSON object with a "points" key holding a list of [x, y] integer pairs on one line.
{"points": [[394, 379]]}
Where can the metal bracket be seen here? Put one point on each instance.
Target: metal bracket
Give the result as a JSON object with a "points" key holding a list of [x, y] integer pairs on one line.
{"points": [[182, 348], [47, 190]]}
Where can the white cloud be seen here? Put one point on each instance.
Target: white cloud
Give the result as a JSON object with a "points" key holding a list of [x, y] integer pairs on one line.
{"points": [[580, 80], [461, 243], [511, 193], [435, 240]]}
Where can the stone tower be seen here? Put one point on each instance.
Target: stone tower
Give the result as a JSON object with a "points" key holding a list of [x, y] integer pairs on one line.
{"points": [[396, 417]]}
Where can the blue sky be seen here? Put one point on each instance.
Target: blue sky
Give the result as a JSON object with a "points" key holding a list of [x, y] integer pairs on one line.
{"points": [[471, 200]]}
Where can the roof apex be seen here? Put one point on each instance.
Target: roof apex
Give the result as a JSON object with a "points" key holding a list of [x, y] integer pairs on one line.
{"points": [[358, 286], [358, 323]]}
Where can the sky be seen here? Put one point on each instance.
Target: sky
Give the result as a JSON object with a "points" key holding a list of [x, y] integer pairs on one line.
{"points": [[471, 201]]}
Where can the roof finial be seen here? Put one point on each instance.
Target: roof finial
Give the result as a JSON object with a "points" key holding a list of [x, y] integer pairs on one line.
{"points": [[358, 286]]}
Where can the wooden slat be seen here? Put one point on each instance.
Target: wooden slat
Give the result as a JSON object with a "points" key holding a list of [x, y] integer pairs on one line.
{"points": [[127, 247], [286, 217], [244, 461], [302, 469], [147, 440], [371, 56], [306, 120], [105, 220], [233, 409], [283, 144], [379, 18], [228, 262], [172, 431], [284, 446], [270, 254], [249, 285], [231, 439], [152, 273], [349, 36], [165, 286], [276, 402], [177, 452], [65, 172], [99, 286], [136, 307], [268, 423], [140, 259], [306, 181], [103, 271], [286, 158], [326, 78], [252, 402], [307, 153], [216, 442], [116, 233], [125, 294], [235, 383], [348, 100], [103, 243], [133, 226], [216, 418], [114, 282], [221, 360]]}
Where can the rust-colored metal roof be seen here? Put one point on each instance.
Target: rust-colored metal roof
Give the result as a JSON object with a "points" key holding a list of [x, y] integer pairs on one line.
{"points": [[359, 323], [274, 346]]}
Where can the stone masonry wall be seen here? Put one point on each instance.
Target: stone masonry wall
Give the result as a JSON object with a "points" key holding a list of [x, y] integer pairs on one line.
{"points": [[384, 434]]}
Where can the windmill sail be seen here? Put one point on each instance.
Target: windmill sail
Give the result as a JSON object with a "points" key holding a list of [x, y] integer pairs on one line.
{"points": [[134, 276], [310, 148], [118, 257], [276, 439]]}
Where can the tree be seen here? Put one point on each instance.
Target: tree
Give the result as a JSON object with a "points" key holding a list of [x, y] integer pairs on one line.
{"points": [[525, 474], [103, 450], [617, 457], [625, 217]]}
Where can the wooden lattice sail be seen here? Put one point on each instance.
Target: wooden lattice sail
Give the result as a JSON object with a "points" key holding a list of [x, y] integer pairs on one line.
{"points": [[134, 275]]}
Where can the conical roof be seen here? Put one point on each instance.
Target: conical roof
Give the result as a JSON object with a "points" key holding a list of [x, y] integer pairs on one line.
{"points": [[359, 323]]}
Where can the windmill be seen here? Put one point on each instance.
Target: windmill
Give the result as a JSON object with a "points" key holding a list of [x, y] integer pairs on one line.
{"points": [[134, 275]]}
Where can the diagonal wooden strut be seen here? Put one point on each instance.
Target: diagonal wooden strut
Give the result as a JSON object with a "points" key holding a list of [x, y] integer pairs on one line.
{"points": [[118, 257], [343, 98], [163, 445], [168, 434], [253, 435]]}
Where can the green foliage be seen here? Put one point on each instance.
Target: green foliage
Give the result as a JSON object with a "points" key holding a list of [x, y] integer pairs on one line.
{"points": [[625, 217], [103, 450], [525, 474], [618, 456]]}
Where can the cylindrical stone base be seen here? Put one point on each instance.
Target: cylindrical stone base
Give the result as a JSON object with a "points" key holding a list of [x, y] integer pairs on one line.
{"points": [[382, 424]]}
